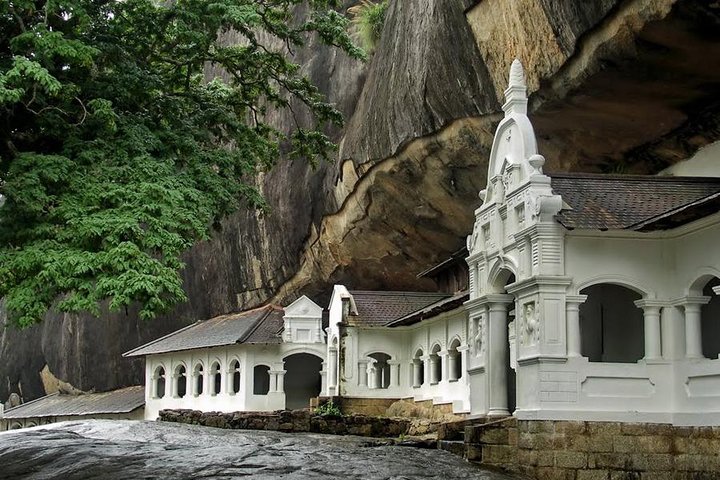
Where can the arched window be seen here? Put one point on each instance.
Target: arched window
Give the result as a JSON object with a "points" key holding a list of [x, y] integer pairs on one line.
{"points": [[216, 378], [261, 380], [455, 367], [159, 382], [418, 369], [234, 372], [199, 380], [435, 365], [611, 325], [379, 371], [16, 426], [180, 381], [710, 321]]}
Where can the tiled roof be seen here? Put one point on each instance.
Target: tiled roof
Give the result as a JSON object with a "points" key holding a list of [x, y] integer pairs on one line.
{"points": [[124, 400], [380, 308], [634, 202], [260, 325], [432, 310]]}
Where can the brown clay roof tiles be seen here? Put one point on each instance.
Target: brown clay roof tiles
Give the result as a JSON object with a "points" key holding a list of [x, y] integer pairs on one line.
{"points": [[634, 202], [379, 308], [260, 325]]}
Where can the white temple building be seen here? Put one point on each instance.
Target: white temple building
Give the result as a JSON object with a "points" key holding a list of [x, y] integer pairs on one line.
{"points": [[580, 296]]}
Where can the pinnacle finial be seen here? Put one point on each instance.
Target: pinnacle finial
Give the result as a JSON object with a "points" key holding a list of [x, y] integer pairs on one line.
{"points": [[517, 74]]}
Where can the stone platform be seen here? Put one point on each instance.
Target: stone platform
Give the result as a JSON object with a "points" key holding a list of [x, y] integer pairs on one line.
{"points": [[575, 450]]}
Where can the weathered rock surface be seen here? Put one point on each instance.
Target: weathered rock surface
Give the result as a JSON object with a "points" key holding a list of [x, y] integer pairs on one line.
{"points": [[617, 85], [107, 450]]}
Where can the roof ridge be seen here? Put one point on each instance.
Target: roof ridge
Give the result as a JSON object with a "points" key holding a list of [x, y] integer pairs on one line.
{"points": [[397, 292]]}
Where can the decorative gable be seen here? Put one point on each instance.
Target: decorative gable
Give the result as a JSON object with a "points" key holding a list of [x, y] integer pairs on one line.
{"points": [[303, 322]]}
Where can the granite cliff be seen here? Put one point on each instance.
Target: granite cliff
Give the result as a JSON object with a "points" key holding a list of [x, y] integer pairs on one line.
{"points": [[616, 85]]}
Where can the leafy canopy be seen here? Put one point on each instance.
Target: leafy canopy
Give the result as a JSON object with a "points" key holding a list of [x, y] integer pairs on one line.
{"points": [[116, 151]]}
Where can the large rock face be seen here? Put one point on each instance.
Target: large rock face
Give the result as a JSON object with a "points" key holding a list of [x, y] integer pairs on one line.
{"points": [[628, 85]]}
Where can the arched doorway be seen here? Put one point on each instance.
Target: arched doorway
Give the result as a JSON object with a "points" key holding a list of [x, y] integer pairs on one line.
{"points": [[302, 379], [379, 375], [710, 321], [611, 325]]}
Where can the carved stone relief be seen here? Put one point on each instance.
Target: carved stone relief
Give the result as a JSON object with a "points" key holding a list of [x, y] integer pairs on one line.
{"points": [[530, 326], [478, 341]]}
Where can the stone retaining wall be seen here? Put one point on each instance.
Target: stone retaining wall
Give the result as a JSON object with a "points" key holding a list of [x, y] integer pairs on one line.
{"points": [[562, 450], [293, 421]]}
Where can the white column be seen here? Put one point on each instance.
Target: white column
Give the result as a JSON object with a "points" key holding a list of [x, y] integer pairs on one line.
{"points": [[433, 363], [670, 333], [693, 326], [394, 373], [323, 378], [453, 370], [371, 374], [281, 381], [426, 369], [498, 350], [464, 349], [651, 317], [417, 373], [273, 381], [363, 372], [445, 366], [572, 314]]}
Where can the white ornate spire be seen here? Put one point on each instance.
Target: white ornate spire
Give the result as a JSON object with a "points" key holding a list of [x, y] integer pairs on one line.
{"points": [[516, 93], [517, 74]]}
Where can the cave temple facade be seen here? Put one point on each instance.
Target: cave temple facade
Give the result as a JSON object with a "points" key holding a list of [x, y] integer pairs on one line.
{"points": [[577, 297]]}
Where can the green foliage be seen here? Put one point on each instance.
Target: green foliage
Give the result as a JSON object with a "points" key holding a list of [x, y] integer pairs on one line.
{"points": [[329, 408], [368, 20], [117, 153]]}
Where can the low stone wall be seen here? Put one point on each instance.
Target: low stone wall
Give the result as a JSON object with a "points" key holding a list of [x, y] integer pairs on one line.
{"points": [[292, 421], [364, 406], [552, 450]]}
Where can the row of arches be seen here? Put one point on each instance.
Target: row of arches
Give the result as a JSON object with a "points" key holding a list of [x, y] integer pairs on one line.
{"points": [[180, 381], [612, 328], [434, 361]]}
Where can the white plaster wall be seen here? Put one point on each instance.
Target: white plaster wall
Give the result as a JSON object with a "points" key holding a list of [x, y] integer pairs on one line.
{"points": [[245, 400], [401, 343], [661, 266]]}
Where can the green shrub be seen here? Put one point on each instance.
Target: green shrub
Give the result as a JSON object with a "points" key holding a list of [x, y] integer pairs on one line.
{"points": [[328, 408], [368, 20]]}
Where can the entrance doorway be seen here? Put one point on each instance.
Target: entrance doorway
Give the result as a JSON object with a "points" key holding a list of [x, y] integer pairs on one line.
{"points": [[302, 380]]}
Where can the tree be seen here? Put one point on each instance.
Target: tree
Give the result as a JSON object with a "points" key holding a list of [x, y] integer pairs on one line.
{"points": [[117, 153]]}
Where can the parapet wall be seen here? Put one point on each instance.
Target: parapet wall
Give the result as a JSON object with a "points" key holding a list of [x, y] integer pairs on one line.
{"points": [[552, 450]]}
